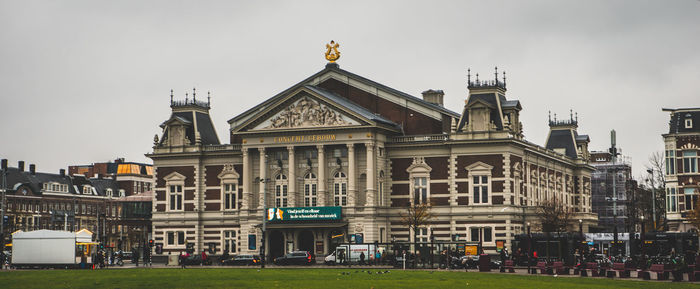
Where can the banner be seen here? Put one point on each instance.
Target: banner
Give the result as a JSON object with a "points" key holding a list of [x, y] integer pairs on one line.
{"points": [[303, 214]]}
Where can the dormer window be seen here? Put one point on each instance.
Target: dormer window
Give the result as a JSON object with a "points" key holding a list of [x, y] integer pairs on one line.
{"points": [[688, 123], [86, 190], [109, 193]]}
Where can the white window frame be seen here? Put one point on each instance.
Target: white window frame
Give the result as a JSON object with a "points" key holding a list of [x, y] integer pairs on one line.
{"points": [[473, 238], [419, 171], [340, 189], [690, 163], [176, 244], [227, 178], [688, 123], [174, 180], [229, 240], [281, 191], [109, 193], [310, 190], [480, 170]]}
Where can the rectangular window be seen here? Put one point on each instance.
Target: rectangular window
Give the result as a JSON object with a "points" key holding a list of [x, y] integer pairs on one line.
{"points": [[481, 190], [691, 198], [171, 238], [690, 162], [310, 195], [175, 194], [486, 233], [180, 238], [230, 193], [381, 194], [340, 193], [230, 241], [670, 162], [281, 195], [474, 234], [420, 190]]}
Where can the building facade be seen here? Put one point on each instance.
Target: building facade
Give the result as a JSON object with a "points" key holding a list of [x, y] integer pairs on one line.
{"points": [[339, 156], [682, 145], [610, 214]]}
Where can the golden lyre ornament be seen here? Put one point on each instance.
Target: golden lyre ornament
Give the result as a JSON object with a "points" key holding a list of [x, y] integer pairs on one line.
{"points": [[332, 53]]}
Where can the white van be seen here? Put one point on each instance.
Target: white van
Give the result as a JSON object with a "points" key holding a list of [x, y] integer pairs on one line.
{"points": [[352, 253]]}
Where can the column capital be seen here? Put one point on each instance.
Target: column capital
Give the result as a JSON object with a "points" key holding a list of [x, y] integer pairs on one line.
{"points": [[290, 148], [244, 151], [370, 144], [320, 147], [351, 146]]}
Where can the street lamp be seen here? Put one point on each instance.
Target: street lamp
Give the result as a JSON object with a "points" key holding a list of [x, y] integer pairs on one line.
{"points": [[642, 236], [3, 166], [653, 197], [529, 247], [264, 220]]}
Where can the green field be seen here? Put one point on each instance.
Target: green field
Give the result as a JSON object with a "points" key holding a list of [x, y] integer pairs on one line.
{"points": [[301, 278]]}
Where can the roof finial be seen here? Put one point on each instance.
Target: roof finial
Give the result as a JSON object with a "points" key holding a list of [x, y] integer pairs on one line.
{"points": [[504, 78], [555, 117], [171, 97], [194, 95], [550, 116], [495, 74], [577, 117], [469, 76], [571, 114], [332, 53], [186, 95], [208, 98], [477, 78]]}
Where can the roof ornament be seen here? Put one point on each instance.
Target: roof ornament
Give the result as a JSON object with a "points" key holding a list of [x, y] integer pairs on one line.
{"points": [[171, 97], [186, 95], [194, 95], [332, 53], [550, 116], [208, 98], [504, 79], [477, 79], [571, 114], [576, 117], [495, 74], [469, 76]]}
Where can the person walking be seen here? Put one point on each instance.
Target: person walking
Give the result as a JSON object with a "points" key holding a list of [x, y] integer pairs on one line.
{"points": [[377, 257], [362, 258], [136, 256], [204, 258]]}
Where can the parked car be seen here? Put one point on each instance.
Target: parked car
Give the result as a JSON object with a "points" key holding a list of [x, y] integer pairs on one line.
{"points": [[247, 260], [296, 258], [196, 259]]}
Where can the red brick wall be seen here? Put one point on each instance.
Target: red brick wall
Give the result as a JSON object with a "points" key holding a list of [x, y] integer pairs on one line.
{"points": [[440, 167], [399, 189], [187, 171], [493, 160], [212, 175], [398, 168], [441, 188]]}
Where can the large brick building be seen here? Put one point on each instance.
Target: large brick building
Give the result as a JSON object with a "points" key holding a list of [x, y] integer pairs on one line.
{"points": [[682, 144], [343, 155]]}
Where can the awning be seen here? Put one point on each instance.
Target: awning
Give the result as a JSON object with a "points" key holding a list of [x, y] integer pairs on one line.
{"points": [[304, 225]]}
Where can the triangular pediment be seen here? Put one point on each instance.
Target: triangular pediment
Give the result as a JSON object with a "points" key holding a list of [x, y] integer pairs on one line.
{"points": [[306, 111], [309, 107]]}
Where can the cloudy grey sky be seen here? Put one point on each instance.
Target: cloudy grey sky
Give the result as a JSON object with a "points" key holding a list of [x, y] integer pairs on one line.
{"points": [[89, 81]]}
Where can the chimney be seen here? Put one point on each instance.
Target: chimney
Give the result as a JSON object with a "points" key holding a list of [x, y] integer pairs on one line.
{"points": [[20, 166], [62, 172], [32, 169], [434, 96]]}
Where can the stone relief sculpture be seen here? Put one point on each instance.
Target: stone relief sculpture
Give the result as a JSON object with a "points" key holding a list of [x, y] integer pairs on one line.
{"points": [[307, 113]]}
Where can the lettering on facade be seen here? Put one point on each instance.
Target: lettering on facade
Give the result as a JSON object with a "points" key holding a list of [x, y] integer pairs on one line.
{"points": [[304, 138]]}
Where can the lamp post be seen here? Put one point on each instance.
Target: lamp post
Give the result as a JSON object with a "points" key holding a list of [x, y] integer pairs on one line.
{"points": [[264, 220], [529, 247], [653, 198], [642, 236], [2, 206]]}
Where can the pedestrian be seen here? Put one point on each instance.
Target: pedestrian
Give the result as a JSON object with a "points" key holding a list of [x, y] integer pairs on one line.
{"points": [[341, 256], [362, 258], [136, 256], [182, 260], [204, 257], [224, 256], [377, 257]]}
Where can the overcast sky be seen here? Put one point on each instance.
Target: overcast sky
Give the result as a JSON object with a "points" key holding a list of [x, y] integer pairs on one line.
{"points": [[89, 81]]}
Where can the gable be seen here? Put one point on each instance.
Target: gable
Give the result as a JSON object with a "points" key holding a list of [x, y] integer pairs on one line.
{"points": [[305, 112]]}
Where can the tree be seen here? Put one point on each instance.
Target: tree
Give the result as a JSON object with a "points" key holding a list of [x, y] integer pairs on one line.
{"points": [[554, 217], [417, 215], [656, 183]]}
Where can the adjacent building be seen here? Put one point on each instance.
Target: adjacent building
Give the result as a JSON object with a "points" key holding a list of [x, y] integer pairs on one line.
{"points": [[682, 145], [612, 198], [338, 156]]}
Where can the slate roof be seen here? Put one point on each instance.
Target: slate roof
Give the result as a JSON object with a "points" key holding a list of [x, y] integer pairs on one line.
{"points": [[677, 122], [351, 106], [204, 126], [36, 181], [334, 67], [101, 186], [562, 138], [490, 99]]}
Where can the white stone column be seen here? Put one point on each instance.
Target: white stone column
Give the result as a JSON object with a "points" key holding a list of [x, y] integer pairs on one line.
{"points": [[352, 180], [321, 176], [292, 178], [245, 204], [371, 158], [263, 176]]}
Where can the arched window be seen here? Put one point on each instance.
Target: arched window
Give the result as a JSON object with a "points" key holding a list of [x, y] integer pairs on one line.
{"points": [[281, 191], [340, 189], [310, 190]]}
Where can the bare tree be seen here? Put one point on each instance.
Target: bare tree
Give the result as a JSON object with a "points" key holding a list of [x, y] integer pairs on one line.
{"points": [[554, 217], [416, 216], [656, 183]]}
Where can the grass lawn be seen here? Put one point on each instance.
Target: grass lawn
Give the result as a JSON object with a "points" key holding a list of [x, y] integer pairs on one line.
{"points": [[301, 278]]}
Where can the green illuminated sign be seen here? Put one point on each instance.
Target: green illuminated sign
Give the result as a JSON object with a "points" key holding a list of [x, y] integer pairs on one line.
{"points": [[303, 214]]}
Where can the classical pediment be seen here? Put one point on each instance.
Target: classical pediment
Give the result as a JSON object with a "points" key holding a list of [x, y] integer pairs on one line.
{"points": [[306, 112]]}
